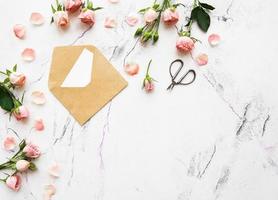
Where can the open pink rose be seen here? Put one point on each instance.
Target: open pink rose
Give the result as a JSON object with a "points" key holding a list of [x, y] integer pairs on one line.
{"points": [[32, 151], [150, 15], [170, 16], [14, 182], [185, 44], [22, 165], [61, 18], [87, 17], [21, 113], [72, 6], [17, 79]]}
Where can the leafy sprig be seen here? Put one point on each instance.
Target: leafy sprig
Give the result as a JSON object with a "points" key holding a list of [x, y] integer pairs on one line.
{"points": [[90, 6]]}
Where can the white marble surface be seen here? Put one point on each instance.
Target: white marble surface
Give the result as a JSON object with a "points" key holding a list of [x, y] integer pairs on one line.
{"points": [[215, 139]]}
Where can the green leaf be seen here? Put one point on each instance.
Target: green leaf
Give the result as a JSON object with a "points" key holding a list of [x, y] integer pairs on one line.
{"points": [[53, 9], [203, 20], [32, 167], [97, 8], [156, 6], [15, 68], [52, 20], [207, 6], [6, 100], [6, 80], [8, 72], [194, 12], [143, 10]]}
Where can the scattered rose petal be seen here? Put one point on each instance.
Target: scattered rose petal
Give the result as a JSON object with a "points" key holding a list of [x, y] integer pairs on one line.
{"points": [[36, 18], [19, 31], [54, 170], [39, 125], [202, 59], [28, 54], [114, 1], [214, 39], [9, 143], [132, 68], [132, 19], [49, 191], [110, 22], [38, 98]]}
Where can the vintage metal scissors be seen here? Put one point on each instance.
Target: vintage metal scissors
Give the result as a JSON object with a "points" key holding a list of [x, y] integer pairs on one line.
{"points": [[180, 81]]}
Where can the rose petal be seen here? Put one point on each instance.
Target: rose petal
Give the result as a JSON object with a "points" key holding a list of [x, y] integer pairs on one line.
{"points": [[28, 54], [202, 59], [110, 22], [9, 143], [36, 18], [54, 170], [49, 191], [19, 31], [114, 1], [132, 19], [38, 98], [214, 39], [39, 125], [131, 68]]}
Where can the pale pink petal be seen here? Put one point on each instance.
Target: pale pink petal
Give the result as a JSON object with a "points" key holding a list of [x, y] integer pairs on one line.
{"points": [[131, 68], [49, 191], [39, 125], [202, 59], [9, 143], [214, 39], [28, 54], [19, 31], [114, 1], [110, 22], [38, 98], [54, 170], [36, 18], [132, 19]]}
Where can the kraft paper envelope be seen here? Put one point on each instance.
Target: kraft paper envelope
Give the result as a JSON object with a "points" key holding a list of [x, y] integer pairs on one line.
{"points": [[83, 80]]}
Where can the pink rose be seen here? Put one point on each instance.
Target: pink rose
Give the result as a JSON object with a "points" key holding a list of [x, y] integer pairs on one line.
{"points": [[21, 113], [22, 165], [32, 151], [170, 16], [87, 17], [73, 6], [185, 44], [17, 79], [14, 182], [150, 15], [148, 85], [61, 18]]}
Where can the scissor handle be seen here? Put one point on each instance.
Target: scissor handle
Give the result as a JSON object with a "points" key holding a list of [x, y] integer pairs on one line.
{"points": [[191, 71], [178, 71]]}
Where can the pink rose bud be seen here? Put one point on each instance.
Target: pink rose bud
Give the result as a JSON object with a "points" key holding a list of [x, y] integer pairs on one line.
{"points": [[21, 113], [22, 165], [149, 86], [31, 151], [14, 182], [150, 15], [170, 16], [17, 79], [61, 18], [185, 44], [87, 17], [73, 6]]}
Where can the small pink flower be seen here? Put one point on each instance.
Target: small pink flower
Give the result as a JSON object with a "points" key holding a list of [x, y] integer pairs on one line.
{"points": [[148, 85], [150, 15], [170, 16], [87, 17], [9, 143], [22, 165], [36, 18], [214, 39], [110, 22], [61, 18], [21, 113], [28, 54], [31, 151], [17, 79], [132, 68], [185, 44], [202, 59], [14, 182], [39, 125], [73, 6], [19, 31]]}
